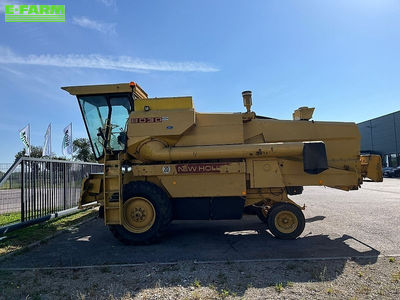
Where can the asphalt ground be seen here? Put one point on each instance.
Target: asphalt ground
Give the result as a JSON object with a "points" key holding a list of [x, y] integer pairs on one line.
{"points": [[363, 223]]}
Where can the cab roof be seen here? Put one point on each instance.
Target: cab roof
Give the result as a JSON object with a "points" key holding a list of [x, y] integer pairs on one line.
{"points": [[107, 89]]}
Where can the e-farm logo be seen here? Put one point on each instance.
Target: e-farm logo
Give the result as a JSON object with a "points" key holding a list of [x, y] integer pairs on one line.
{"points": [[34, 13]]}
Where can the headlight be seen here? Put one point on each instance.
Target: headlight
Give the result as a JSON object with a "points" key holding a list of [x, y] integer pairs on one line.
{"points": [[126, 168]]}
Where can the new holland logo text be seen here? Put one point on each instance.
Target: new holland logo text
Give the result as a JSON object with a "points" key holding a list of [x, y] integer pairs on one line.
{"points": [[34, 13], [199, 168]]}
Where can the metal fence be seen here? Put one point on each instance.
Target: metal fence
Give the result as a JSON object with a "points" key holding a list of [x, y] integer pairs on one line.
{"points": [[33, 188]]}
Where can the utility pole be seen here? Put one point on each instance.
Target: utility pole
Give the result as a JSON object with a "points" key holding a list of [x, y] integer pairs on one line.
{"points": [[395, 141], [372, 139]]}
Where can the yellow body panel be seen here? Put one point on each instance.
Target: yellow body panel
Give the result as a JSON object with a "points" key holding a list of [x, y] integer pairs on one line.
{"points": [[214, 129], [192, 168], [205, 185], [265, 174], [159, 123], [164, 103], [371, 167]]}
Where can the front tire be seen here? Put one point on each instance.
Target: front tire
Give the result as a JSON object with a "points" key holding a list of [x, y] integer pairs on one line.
{"points": [[147, 211], [286, 221], [262, 214]]}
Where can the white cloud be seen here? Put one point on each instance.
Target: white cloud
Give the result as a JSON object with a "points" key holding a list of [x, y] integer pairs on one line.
{"points": [[98, 61], [95, 25], [10, 2], [108, 2]]}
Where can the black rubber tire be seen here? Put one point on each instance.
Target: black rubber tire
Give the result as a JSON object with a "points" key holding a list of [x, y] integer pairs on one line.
{"points": [[261, 215], [163, 210], [101, 212], [288, 207]]}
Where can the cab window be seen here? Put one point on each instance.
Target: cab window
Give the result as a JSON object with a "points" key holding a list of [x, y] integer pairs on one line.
{"points": [[96, 110]]}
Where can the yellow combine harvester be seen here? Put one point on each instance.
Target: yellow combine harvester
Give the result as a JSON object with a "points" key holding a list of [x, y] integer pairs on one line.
{"points": [[164, 161]]}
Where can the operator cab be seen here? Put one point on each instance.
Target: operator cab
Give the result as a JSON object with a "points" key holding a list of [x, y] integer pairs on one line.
{"points": [[105, 110]]}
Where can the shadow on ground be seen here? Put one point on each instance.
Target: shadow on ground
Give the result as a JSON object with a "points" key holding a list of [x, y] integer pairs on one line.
{"points": [[223, 241]]}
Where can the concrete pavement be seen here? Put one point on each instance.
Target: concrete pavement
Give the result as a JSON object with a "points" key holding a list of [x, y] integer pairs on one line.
{"points": [[351, 224]]}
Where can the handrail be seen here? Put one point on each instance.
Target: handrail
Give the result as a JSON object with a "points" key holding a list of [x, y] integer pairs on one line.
{"points": [[58, 160], [10, 170], [17, 162]]}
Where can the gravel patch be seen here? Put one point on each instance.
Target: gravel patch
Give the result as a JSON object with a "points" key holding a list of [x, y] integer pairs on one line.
{"points": [[338, 279]]}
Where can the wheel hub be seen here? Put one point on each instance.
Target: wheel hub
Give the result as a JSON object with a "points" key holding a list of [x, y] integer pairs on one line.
{"points": [[139, 214], [286, 221]]}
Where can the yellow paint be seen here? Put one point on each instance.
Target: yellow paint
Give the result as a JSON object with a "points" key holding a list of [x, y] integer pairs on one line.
{"points": [[139, 215], [286, 221], [164, 103]]}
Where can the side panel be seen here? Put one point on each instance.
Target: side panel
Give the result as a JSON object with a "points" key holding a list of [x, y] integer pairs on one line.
{"points": [[214, 129], [265, 174], [207, 185], [164, 103], [371, 167], [214, 179], [159, 123], [282, 172], [342, 140], [293, 175]]}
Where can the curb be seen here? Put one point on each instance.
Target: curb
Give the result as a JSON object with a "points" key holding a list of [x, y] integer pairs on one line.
{"points": [[304, 259], [37, 243]]}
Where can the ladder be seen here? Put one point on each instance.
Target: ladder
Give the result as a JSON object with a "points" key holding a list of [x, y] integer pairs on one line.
{"points": [[112, 187]]}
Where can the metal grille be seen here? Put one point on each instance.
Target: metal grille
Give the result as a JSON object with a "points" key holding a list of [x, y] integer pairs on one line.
{"points": [[10, 192], [39, 187]]}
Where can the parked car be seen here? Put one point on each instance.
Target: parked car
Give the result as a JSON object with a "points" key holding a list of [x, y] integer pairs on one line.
{"points": [[391, 172]]}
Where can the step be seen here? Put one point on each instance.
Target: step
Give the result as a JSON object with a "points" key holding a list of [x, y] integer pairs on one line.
{"points": [[112, 206], [112, 192]]}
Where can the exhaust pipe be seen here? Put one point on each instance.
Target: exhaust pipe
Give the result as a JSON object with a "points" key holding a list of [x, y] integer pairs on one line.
{"points": [[247, 101]]}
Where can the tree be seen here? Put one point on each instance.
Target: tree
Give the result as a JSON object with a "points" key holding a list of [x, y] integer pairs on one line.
{"points": [[36, 151], [53, 156], [83, 150]]}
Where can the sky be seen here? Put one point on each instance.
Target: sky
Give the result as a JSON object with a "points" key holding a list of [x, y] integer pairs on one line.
{"points": [[341, 57]]}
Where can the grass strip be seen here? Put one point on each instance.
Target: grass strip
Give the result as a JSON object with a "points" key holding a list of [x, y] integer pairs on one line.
{"points": [[17, 240], [8, 218]]}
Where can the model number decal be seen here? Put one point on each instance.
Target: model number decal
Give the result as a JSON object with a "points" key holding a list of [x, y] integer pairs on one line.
{"points": [[149, 120], [199, 168]]}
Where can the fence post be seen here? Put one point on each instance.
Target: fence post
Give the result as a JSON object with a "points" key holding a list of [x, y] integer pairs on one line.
{"points": [[65, 185], [22, 192]]}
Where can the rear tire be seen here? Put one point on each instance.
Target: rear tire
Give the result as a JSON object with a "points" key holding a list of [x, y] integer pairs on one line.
{"points": [[286, 221], [147, 213]]}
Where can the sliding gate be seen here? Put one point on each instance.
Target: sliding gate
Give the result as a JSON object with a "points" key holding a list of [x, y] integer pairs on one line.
{"points": [[34, 188]]}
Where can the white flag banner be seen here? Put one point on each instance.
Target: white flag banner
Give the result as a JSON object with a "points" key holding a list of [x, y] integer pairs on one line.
{"points": [[67, 140], [47, 142], [25, 136]]}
